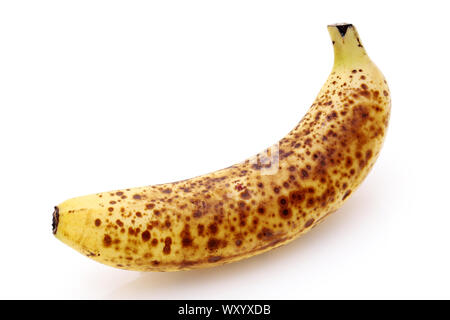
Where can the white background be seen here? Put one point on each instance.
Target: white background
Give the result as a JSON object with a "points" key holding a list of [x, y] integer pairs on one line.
{"points": [[102, 95]]}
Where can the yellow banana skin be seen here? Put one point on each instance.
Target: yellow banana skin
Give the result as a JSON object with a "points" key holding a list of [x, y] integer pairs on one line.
{"points": [[254, 206]]}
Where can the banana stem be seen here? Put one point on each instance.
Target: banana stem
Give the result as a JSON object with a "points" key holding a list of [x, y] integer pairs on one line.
{"points": [[348, 50]]}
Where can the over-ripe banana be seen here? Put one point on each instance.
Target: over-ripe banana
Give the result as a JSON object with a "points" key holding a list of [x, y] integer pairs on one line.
{"points": [[253, 206]]}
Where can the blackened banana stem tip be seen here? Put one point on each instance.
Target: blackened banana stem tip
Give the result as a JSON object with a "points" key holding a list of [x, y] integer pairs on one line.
{"points": [[342, 27]]}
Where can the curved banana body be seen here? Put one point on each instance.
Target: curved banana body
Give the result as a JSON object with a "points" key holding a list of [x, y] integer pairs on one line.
{"points": [[256, 205]]}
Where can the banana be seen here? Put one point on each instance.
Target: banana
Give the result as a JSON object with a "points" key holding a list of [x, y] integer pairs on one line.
{"points": [[251, 207]]}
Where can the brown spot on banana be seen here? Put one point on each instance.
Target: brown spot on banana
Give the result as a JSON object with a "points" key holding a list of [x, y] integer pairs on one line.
{"points": [[256, 205]]}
